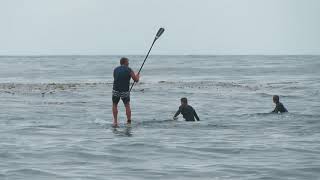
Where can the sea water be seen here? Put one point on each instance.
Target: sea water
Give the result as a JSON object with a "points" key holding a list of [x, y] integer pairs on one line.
{"points": [[55, 118]]}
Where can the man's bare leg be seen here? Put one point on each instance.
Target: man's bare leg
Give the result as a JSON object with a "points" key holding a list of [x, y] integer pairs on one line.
{"points": [[115, 114], [128, 112]]}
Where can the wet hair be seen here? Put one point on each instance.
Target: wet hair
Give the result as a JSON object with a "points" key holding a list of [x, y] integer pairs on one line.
{"points": [[184, 100], [123, 60], [276, 98]]}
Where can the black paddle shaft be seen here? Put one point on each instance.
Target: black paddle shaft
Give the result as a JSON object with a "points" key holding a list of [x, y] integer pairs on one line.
{"points": [[159, 33]]}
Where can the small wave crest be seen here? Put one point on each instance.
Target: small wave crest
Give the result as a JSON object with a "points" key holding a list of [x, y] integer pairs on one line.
{"points": [[51, 88], [47, 88], [31, 172], [209, 84]]}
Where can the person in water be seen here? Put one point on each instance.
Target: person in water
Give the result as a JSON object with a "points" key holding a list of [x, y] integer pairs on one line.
{"points": [[187, 111], [279, 106], [122, 75]]}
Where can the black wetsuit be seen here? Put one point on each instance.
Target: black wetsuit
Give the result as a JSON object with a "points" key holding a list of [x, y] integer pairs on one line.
{"points": [[188, 113], [279, 108], [122, 76]]}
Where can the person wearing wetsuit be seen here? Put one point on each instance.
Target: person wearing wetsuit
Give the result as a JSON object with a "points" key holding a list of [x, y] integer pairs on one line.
{"points": [[187, 111], [122, 75], [279, 106]]}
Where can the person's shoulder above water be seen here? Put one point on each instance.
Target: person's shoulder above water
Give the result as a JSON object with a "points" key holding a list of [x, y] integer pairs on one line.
{"points": [[282, 109], [190, 107], [186, 107], [195, 113], [279, 108]]}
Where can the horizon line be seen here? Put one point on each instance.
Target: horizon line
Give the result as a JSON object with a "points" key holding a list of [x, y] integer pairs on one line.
{"points": [[51, 55]]}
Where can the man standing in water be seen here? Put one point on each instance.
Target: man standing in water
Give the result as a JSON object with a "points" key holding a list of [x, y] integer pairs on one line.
{"points": [[122, 75]]}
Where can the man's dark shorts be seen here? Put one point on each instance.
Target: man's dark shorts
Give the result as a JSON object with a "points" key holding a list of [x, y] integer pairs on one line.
{"points": [[124, 96]]}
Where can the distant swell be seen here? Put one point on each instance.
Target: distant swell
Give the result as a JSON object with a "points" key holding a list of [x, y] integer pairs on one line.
{"points": [[45, 88]]}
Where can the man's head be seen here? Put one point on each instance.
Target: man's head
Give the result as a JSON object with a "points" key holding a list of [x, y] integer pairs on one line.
{"points": [[184, 101], [275, 99], [124, 61]]}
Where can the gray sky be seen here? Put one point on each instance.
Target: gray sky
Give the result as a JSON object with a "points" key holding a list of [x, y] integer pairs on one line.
{"points": [[120, 27]]}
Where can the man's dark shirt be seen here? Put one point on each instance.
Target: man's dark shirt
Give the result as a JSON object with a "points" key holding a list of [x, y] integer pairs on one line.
{"points": [[279, 108], [121, 75], [188, 113]]}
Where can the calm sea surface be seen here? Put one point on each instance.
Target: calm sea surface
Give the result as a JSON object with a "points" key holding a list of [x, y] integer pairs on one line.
{"points": [[55, 118]]}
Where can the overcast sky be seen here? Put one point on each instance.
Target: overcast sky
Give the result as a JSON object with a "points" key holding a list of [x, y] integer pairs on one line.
{"points": [[122, 27]]}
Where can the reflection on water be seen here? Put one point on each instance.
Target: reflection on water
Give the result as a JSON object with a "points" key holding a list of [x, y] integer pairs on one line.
{"points": [[123, 131]]}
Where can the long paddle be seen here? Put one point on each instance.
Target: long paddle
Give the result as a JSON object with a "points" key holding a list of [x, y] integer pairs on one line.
{"points": [[159, 33]]}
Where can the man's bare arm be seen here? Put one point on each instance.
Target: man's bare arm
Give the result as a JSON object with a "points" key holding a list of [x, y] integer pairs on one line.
{"points": [[135, 77]]}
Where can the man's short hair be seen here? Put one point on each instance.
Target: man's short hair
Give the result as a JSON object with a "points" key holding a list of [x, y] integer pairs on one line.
{"points": [[123, 60], [184, 100], [276, 98]]}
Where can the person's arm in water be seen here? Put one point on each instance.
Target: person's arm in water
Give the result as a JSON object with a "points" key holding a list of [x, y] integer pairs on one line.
{"points": [[177, 113], [134, 76], [196, 115]]}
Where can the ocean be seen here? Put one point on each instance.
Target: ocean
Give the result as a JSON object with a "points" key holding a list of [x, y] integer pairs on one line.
{"points": [[55, 118]]}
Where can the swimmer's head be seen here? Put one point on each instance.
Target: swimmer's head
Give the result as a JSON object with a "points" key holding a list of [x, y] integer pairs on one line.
{"points": [[184, 101], [275, 99]]}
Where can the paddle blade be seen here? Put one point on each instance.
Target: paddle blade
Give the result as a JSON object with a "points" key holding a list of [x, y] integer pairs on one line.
{"points": [[159, 33]]}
